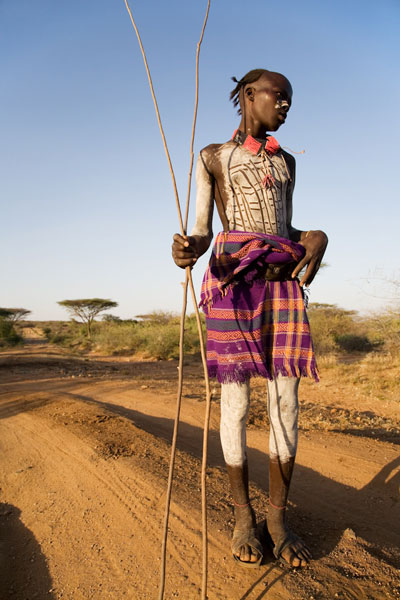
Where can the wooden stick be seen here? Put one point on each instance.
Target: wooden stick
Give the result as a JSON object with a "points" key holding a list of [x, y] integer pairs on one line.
{"points": [[188, 280]]}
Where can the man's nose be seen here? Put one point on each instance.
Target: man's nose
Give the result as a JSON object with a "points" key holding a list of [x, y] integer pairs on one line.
{"points": [[285, 105]]}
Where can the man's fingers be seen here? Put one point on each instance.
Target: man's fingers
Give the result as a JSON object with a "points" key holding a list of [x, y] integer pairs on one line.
{"points": [[305, 280], [299, 267], [181, 240], [311, 272], [182, 253], [185, 262], [311, 278]]}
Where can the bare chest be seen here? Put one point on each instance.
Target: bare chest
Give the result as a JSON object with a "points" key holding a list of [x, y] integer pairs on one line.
{"points": [[254, 190]]}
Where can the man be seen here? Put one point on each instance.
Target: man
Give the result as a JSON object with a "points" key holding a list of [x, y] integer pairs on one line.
{"points": [[253, 300]]}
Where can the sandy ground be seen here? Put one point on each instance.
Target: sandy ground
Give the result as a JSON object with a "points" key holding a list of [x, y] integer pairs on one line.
{"points": [[84, 452]]}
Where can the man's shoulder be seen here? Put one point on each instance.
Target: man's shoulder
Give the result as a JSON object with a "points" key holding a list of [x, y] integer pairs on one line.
{"points": [[290, 159], [212, 154], [212, 149]]}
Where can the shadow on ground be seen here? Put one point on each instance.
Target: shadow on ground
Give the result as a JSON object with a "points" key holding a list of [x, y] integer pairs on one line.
{"points": [[23, 567], [371, 511]]}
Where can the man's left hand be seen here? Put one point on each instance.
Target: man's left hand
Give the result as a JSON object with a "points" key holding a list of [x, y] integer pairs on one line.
{"points": [[315, 243]]}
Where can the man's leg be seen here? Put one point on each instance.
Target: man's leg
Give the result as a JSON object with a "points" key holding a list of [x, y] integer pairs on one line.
{"points": [[234, 411], [283, 411]]}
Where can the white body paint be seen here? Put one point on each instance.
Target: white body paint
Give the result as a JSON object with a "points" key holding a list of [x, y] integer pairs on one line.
{"points": [[250, 206], [282, 104], [204, 202], [282, 411], [234, 412]]}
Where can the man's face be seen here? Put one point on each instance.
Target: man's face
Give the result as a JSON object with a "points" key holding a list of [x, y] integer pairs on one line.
{"points": [[271, 100]]}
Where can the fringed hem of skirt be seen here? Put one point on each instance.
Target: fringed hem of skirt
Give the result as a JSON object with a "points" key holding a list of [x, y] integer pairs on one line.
{"points": [[230, 375]]}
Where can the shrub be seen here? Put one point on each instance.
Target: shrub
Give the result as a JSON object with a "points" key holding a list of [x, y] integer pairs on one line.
{"points": [[156, 336], [328, 322], [351, 342], [69, 334], [8, 335], [335, 329], [384, 330]]}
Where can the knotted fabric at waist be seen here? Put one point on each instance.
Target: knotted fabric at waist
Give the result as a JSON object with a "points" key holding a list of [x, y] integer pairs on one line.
{"points": [[244, 255]]}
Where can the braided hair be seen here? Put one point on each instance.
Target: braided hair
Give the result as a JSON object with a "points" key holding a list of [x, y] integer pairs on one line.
{"points": [[250, 77]]}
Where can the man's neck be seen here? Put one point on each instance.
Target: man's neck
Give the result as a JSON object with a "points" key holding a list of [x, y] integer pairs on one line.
{"points": [[253, 128]]}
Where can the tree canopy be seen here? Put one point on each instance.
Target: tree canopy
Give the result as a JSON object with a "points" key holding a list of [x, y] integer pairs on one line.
{"points": [[14, 314], [87, 309]]}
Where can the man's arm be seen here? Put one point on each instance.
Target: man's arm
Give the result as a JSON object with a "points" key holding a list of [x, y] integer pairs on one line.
{"points": [[187, 249], [314, 242]]}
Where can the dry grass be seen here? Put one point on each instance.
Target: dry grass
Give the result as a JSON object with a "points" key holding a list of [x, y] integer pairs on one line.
{"points": [[357, 394]]}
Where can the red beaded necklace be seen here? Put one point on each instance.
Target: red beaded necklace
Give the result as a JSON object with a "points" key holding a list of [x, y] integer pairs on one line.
{"points": [[269, 145]]}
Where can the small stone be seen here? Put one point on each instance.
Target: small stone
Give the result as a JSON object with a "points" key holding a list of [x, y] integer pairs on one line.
{"points": [[349, 534]]}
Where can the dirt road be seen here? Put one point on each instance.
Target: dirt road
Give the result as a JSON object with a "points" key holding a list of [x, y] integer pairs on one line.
{"points": [[84, 452]]}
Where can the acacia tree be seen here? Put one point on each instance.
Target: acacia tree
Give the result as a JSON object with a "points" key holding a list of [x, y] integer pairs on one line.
{"points": [[14, 314], [87, 309], [8, 317]]}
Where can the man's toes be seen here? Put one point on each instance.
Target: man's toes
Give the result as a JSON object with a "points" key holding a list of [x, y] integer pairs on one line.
{"points": [[291, 557], [254, 556], [302, 552], [303, 562], [245, 554]]}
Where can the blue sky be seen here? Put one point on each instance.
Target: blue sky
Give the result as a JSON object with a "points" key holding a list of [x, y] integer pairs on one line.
{"points": [[87, 201]]}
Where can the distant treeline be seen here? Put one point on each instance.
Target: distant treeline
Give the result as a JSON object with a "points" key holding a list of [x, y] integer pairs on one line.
{"points": [[156, 335]]}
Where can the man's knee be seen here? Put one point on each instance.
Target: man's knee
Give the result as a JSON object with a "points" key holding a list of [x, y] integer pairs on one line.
{"points": [[234, 410], [235, 401], [283, 415]]}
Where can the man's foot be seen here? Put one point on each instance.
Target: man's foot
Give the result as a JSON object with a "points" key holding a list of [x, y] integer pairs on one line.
{"points": [[246, 548], [288, 547]]}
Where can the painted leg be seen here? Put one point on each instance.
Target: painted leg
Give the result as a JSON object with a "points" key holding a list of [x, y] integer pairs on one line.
{"points": [[234, 411], [283, 414]]}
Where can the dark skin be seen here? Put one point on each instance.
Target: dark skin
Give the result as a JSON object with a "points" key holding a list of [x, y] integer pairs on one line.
{"points": [[264, 107]]}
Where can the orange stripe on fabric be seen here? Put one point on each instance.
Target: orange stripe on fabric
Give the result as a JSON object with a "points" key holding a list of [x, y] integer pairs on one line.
{"points": [[237, 358]]}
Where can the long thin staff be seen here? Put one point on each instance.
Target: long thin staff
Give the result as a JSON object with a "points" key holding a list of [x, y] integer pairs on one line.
{"points": [[203, 355], [188, 279]]}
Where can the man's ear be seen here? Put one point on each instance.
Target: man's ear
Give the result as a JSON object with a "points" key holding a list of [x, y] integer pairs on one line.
{"points": [[249, 93]]}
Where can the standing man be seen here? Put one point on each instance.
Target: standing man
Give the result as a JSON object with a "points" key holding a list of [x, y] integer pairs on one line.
{"points": [[253, 299]]}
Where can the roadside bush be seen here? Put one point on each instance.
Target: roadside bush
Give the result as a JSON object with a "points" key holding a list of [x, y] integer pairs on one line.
{"points": [[156, 336], [336, 330], [69, 334], [351, 342], [328, 324], [384, 330], [8, 335]]}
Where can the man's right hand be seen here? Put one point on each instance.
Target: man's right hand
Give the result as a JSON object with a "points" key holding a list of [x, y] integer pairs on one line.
{"points": [[184, 250]]}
